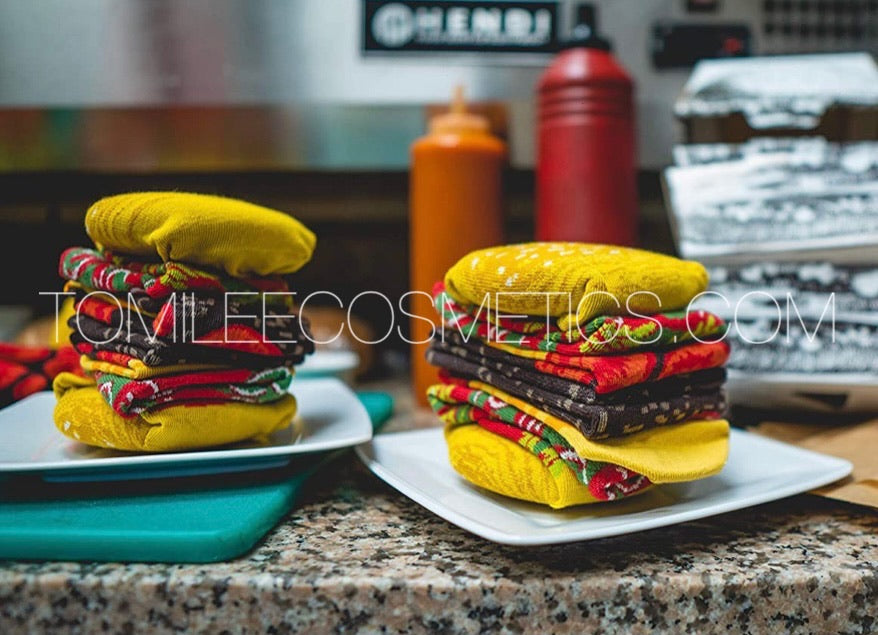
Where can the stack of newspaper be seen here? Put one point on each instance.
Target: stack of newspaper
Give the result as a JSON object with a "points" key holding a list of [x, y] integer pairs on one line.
{"points": [[789, 230]]}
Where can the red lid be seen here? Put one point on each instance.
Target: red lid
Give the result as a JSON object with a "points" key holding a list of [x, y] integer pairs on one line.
{"points": [[583, 65]]}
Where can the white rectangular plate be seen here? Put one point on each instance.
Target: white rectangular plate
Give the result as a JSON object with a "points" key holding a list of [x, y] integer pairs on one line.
{"points": [[329, 416], [758, 470]]}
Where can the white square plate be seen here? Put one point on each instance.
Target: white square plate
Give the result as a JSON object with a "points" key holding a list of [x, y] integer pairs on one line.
{"points": [[329, 416], [758, 470]]}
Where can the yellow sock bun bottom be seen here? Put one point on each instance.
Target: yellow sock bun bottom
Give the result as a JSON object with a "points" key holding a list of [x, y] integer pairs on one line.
{"points": [[83, 415], [672, 454], [503, 467]]}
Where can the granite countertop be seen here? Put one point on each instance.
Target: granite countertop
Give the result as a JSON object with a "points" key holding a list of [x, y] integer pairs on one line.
{"points": [[357, 556]]}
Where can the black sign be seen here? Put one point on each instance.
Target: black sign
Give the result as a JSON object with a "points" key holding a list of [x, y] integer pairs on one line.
{"points": [[446, 25]]}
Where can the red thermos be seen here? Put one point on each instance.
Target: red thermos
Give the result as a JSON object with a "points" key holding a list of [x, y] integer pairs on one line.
{"points": [[586, 184]]}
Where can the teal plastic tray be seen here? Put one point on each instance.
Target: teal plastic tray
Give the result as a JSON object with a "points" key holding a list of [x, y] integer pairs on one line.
{"points": [[181, 519]]}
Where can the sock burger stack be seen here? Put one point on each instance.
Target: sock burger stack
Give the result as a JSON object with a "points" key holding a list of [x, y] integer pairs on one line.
{"points": [[572, 373], [184, 322]]}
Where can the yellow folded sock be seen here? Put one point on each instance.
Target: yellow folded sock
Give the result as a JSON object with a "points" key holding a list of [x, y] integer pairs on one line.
{"points": [[587, 280], [239, 237], [667, 454], [502, 466], [82, 414], [136, 369]]}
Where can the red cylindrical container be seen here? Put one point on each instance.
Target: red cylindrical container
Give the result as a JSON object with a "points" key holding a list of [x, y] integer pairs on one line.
{"points": [[586, 169]]}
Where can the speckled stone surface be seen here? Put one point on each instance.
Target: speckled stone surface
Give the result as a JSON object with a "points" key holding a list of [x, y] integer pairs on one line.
{"points": [[357, 556]]}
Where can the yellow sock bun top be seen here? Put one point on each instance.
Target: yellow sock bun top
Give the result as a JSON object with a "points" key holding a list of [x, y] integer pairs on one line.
{"points": [[586, 280], [240, 238]]}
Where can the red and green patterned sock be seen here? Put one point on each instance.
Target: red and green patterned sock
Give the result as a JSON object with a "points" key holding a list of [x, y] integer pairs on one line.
{"points": [[131, 397], [602, 374], [113, 273], [239, 344], [190, 317], [458, 404], [598, 419], [601, 336]]}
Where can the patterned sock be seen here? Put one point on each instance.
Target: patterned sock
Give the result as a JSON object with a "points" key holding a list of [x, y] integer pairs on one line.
{"points": [[83, 415], [457, 405], [666, 454], [601, 336], [107, 312], [239, 345], [132, 368], [533, 469], [115, 274], [598, 420], [462, 360], [602, 374], [189, 317], [195, 317], [132, 397]]}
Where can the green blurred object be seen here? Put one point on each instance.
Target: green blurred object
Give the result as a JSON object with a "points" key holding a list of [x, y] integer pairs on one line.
{"points": [[193, 519]]}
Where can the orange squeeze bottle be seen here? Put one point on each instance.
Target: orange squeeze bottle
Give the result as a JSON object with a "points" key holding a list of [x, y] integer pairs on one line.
{"points": [[454, 208]]}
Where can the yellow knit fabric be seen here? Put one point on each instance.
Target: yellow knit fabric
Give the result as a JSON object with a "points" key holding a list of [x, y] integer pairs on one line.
{"points": [[667, 454], [82, 414], [582, 276], [500, 465], [239, 237], [136, 369]]}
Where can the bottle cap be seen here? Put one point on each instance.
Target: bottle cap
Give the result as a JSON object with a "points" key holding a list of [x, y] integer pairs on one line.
{"points": [[457, 119], [585, 32]]}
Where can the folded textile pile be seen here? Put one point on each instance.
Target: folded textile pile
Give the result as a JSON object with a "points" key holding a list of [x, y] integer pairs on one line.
{"points": [[184, 322], [573, 373], [25, 370]]}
